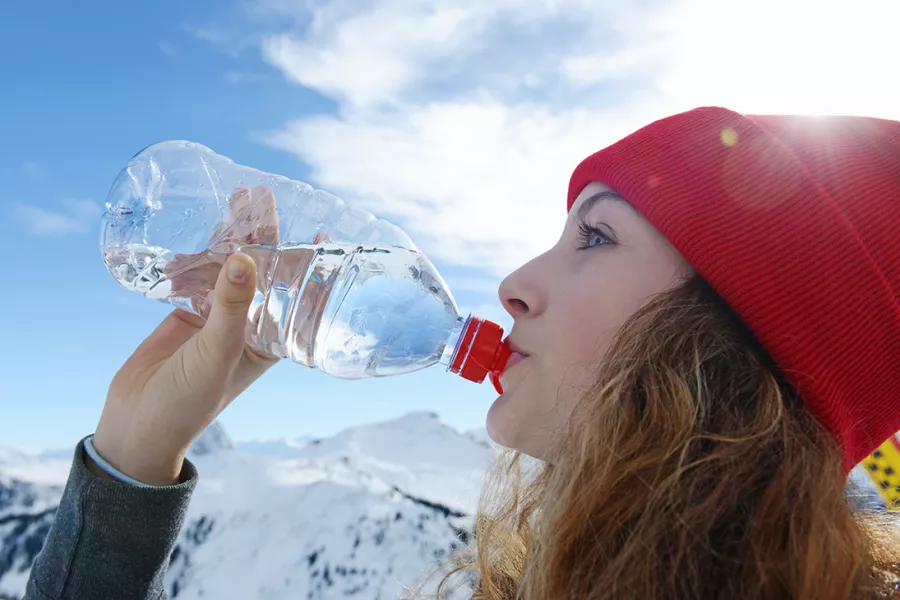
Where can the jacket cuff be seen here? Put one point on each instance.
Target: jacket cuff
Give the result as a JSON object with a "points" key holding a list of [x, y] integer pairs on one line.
{"points": [[110, 538]]}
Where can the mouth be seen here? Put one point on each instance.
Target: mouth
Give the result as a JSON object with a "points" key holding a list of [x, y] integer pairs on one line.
{"points": [[514, 359], [516, 356]]}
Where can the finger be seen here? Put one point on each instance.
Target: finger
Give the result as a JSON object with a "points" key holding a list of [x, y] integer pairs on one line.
{"points": [[193, 321], [238, 202], [177, 328], [223, 337], [170, 335], [197, 280], [265, 217], [250, 367], [241, 204]]}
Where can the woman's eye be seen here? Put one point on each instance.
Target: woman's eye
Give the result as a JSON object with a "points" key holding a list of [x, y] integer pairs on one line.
{"points": [[591, 237]]}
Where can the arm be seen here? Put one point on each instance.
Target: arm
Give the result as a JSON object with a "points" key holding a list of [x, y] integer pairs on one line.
{"points": [[110, 539]]}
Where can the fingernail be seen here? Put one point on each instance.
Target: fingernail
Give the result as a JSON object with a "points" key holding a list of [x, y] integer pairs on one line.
{"points": [[238, 271]]}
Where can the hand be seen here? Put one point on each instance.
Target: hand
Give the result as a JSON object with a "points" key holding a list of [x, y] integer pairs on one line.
{"points": [[179, 380], [189, 370], [252, 219]]}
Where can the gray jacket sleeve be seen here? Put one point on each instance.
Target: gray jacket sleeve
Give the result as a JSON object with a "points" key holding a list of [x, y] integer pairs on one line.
{"points": [[109, 539]]}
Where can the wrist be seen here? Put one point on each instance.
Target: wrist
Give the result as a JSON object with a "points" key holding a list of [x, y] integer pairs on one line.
{"points": [[94, 468], [147, 465]]}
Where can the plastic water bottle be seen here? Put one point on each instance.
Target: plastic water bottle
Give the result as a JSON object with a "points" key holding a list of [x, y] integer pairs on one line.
{"points": [[337, 289]]}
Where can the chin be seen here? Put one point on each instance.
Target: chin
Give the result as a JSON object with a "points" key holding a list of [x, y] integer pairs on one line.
{"points": [[502, 429], [509, 434], [498, 424], [490, 424]]}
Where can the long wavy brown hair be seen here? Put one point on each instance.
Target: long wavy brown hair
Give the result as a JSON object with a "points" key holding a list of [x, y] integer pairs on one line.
{"points": [[690, 470]]}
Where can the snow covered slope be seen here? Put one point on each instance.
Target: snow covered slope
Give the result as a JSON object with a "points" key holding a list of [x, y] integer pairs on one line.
{"points": [[360, 514], [356, 515]]}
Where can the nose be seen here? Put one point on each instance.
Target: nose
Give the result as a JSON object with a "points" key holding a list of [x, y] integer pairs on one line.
{"points": [[522, 292]]}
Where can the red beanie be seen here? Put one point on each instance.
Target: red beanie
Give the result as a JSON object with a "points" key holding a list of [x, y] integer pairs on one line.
{"points": [[795, 222]]}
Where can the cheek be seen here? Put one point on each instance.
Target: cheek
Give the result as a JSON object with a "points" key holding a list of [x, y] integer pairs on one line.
{"points": [[589, 315], [586, 328]]}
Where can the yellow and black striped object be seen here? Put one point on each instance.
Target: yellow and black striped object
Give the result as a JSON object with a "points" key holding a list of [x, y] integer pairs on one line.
{"points": [[883, 466]]}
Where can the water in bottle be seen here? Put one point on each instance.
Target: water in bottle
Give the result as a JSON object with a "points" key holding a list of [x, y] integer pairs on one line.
{"points": [[337, 289]]}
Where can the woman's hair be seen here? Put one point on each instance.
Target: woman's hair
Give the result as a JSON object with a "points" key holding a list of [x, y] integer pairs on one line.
{"points": [[690, 470]]}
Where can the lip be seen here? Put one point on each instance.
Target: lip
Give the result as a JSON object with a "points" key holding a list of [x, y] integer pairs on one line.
{"points": [[514, 359], [514, 347], [516, 356]]}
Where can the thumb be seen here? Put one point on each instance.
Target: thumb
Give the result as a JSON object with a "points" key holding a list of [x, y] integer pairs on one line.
{"points": [[223, 335]]}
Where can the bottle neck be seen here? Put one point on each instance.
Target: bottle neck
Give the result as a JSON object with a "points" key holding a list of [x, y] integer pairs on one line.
{"points": [[479, 352], [454, 340]]}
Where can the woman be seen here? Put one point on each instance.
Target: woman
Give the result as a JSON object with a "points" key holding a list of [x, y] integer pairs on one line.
{"points": [[709, 348]]}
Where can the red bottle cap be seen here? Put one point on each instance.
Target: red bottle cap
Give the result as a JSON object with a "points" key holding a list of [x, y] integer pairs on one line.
{"points": [[481, 351]]}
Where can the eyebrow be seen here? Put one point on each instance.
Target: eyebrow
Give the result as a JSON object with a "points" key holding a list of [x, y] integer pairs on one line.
{"points": [[589, 203]]}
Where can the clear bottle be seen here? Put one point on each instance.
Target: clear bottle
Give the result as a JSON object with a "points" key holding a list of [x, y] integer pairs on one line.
{"points": [[337, 288]]}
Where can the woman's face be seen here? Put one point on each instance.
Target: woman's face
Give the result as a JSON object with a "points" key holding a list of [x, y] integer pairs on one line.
{"points": [[567, 305]]}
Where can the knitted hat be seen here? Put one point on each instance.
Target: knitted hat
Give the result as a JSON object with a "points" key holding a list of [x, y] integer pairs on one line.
{"points": [[795, 222]]}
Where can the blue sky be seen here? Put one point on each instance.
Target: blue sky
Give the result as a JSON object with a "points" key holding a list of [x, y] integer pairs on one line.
{"points": [[425, 113]]}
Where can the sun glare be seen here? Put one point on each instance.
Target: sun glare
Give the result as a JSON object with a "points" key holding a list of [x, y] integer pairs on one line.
{"points": [[793, 56]]}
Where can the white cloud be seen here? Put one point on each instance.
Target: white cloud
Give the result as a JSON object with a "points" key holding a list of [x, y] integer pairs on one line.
{"points": [[781, 56], [476, 184], [77, 216], [462, 121], [369, 55], [604, 66]]}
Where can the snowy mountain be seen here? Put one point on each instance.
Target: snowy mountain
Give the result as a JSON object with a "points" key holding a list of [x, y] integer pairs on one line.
{"points": [[26, 512], [480, 435], [360, 514], [356, 515], [213, 439], [416, 453], [274, 448]]}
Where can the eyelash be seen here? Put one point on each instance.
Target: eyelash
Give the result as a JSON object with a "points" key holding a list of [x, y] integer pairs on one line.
{"points": [[586, 232]]}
